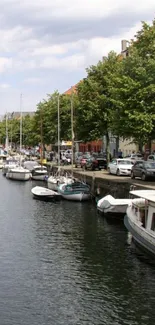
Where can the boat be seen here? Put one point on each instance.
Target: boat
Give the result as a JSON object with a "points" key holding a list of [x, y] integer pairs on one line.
{"points": [[140, 219], [109, 205], [39, 173], [19, 173], [9, 164], [1, 163], [30, 164], [76, 191], [44, 194], [54, 181]]}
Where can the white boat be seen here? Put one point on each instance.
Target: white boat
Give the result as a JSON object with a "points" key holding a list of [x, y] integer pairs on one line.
{"points": [[30, 164], [44, 194], [9, 164], [140, 219], [39, 173], [1, 163], [76, 191], [54, 181], [18, 173], [108, 204]]}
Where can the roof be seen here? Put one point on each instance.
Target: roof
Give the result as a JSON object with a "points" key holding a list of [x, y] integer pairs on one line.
{"points": [[73, 89], [145, 194]]}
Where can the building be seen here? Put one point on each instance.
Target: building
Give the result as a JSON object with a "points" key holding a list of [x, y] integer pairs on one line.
{"points": [[16, 115]]}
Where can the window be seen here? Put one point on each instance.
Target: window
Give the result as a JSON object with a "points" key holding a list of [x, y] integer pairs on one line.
{"points": [[153, 222]]}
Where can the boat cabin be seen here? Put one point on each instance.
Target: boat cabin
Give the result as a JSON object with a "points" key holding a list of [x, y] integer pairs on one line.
{"points": [[143, 208]]}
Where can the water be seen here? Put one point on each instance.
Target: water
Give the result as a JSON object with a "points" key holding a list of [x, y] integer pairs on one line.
{"points": [[62, 264]]}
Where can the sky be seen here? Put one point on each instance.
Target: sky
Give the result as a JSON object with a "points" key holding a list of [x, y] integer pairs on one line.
{"points": [[46, 45]]}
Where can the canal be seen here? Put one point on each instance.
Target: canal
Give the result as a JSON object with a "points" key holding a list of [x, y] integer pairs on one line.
{"points": [[62, 264]]}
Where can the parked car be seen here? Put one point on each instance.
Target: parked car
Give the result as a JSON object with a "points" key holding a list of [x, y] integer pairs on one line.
{"points": [[120, 167], [143, 169], [135, 156], [151, 157], [96, 161]]}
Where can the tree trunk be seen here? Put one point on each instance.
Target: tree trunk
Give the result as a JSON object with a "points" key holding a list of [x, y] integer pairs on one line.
{"points": [[140, 147], [117, 146], [107, 147]]}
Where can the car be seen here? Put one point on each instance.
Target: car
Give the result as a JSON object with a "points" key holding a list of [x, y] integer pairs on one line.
{"points": [[151, 157], [143, 169], [135, 156], [120, 167], [96, 161]]}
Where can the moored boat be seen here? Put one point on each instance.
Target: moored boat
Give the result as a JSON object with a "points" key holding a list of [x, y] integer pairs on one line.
{"points": [[9, 164], [54, 181], [109, 205], [76, 191], [140, 219], [44, 194], [18, 173], [39, 173]]}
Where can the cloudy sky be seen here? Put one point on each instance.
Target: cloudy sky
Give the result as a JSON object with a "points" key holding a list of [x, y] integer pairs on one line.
{"points": [[45, 45]]}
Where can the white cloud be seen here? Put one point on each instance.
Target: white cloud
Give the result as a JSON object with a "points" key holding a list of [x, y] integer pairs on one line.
{"points": [[4, 86], [5, 64], [33, 80], [44, 40]]}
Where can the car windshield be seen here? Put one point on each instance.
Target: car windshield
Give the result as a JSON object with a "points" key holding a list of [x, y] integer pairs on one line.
{"points": [[124, 162], [150, 165]]}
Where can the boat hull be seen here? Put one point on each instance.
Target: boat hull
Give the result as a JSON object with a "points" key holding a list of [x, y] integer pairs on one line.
{"points": [[118, 210], [76, 197], [52, 186], [18, 176], [140, 235], [47, 198], [44, 194], [39, 177]]}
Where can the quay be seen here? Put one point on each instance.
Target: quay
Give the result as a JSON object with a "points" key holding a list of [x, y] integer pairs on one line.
{"points": [[102, 183]]}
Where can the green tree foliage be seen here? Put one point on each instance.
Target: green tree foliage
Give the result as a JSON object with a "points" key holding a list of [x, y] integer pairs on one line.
{"points": [[134, 92], [95, 106]]}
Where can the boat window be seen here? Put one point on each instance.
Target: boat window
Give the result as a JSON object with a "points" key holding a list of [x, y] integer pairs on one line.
{"points": [[142, 217], [153, 222]]}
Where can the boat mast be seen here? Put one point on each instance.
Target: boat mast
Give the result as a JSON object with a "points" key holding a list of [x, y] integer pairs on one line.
{"points": [[6, 131], [72, 130], [58, 133], [41, 136], [20, 147]]}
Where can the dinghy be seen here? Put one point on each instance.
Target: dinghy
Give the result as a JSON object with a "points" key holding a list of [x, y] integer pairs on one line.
{"points": [[44, 194], [108, 204]]}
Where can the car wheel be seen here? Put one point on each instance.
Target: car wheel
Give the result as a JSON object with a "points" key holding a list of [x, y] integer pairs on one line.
{"points": [[143, 177], [109, 170], [118, 172], [132, 175]]}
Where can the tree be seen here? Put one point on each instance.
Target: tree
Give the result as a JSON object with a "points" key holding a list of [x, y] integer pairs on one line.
{"points": [[134, 90], [96, 109]]}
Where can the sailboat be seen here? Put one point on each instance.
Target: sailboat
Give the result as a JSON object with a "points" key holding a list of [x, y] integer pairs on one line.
{"points": [[19, 173], [54, 180], [76, 191]]}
